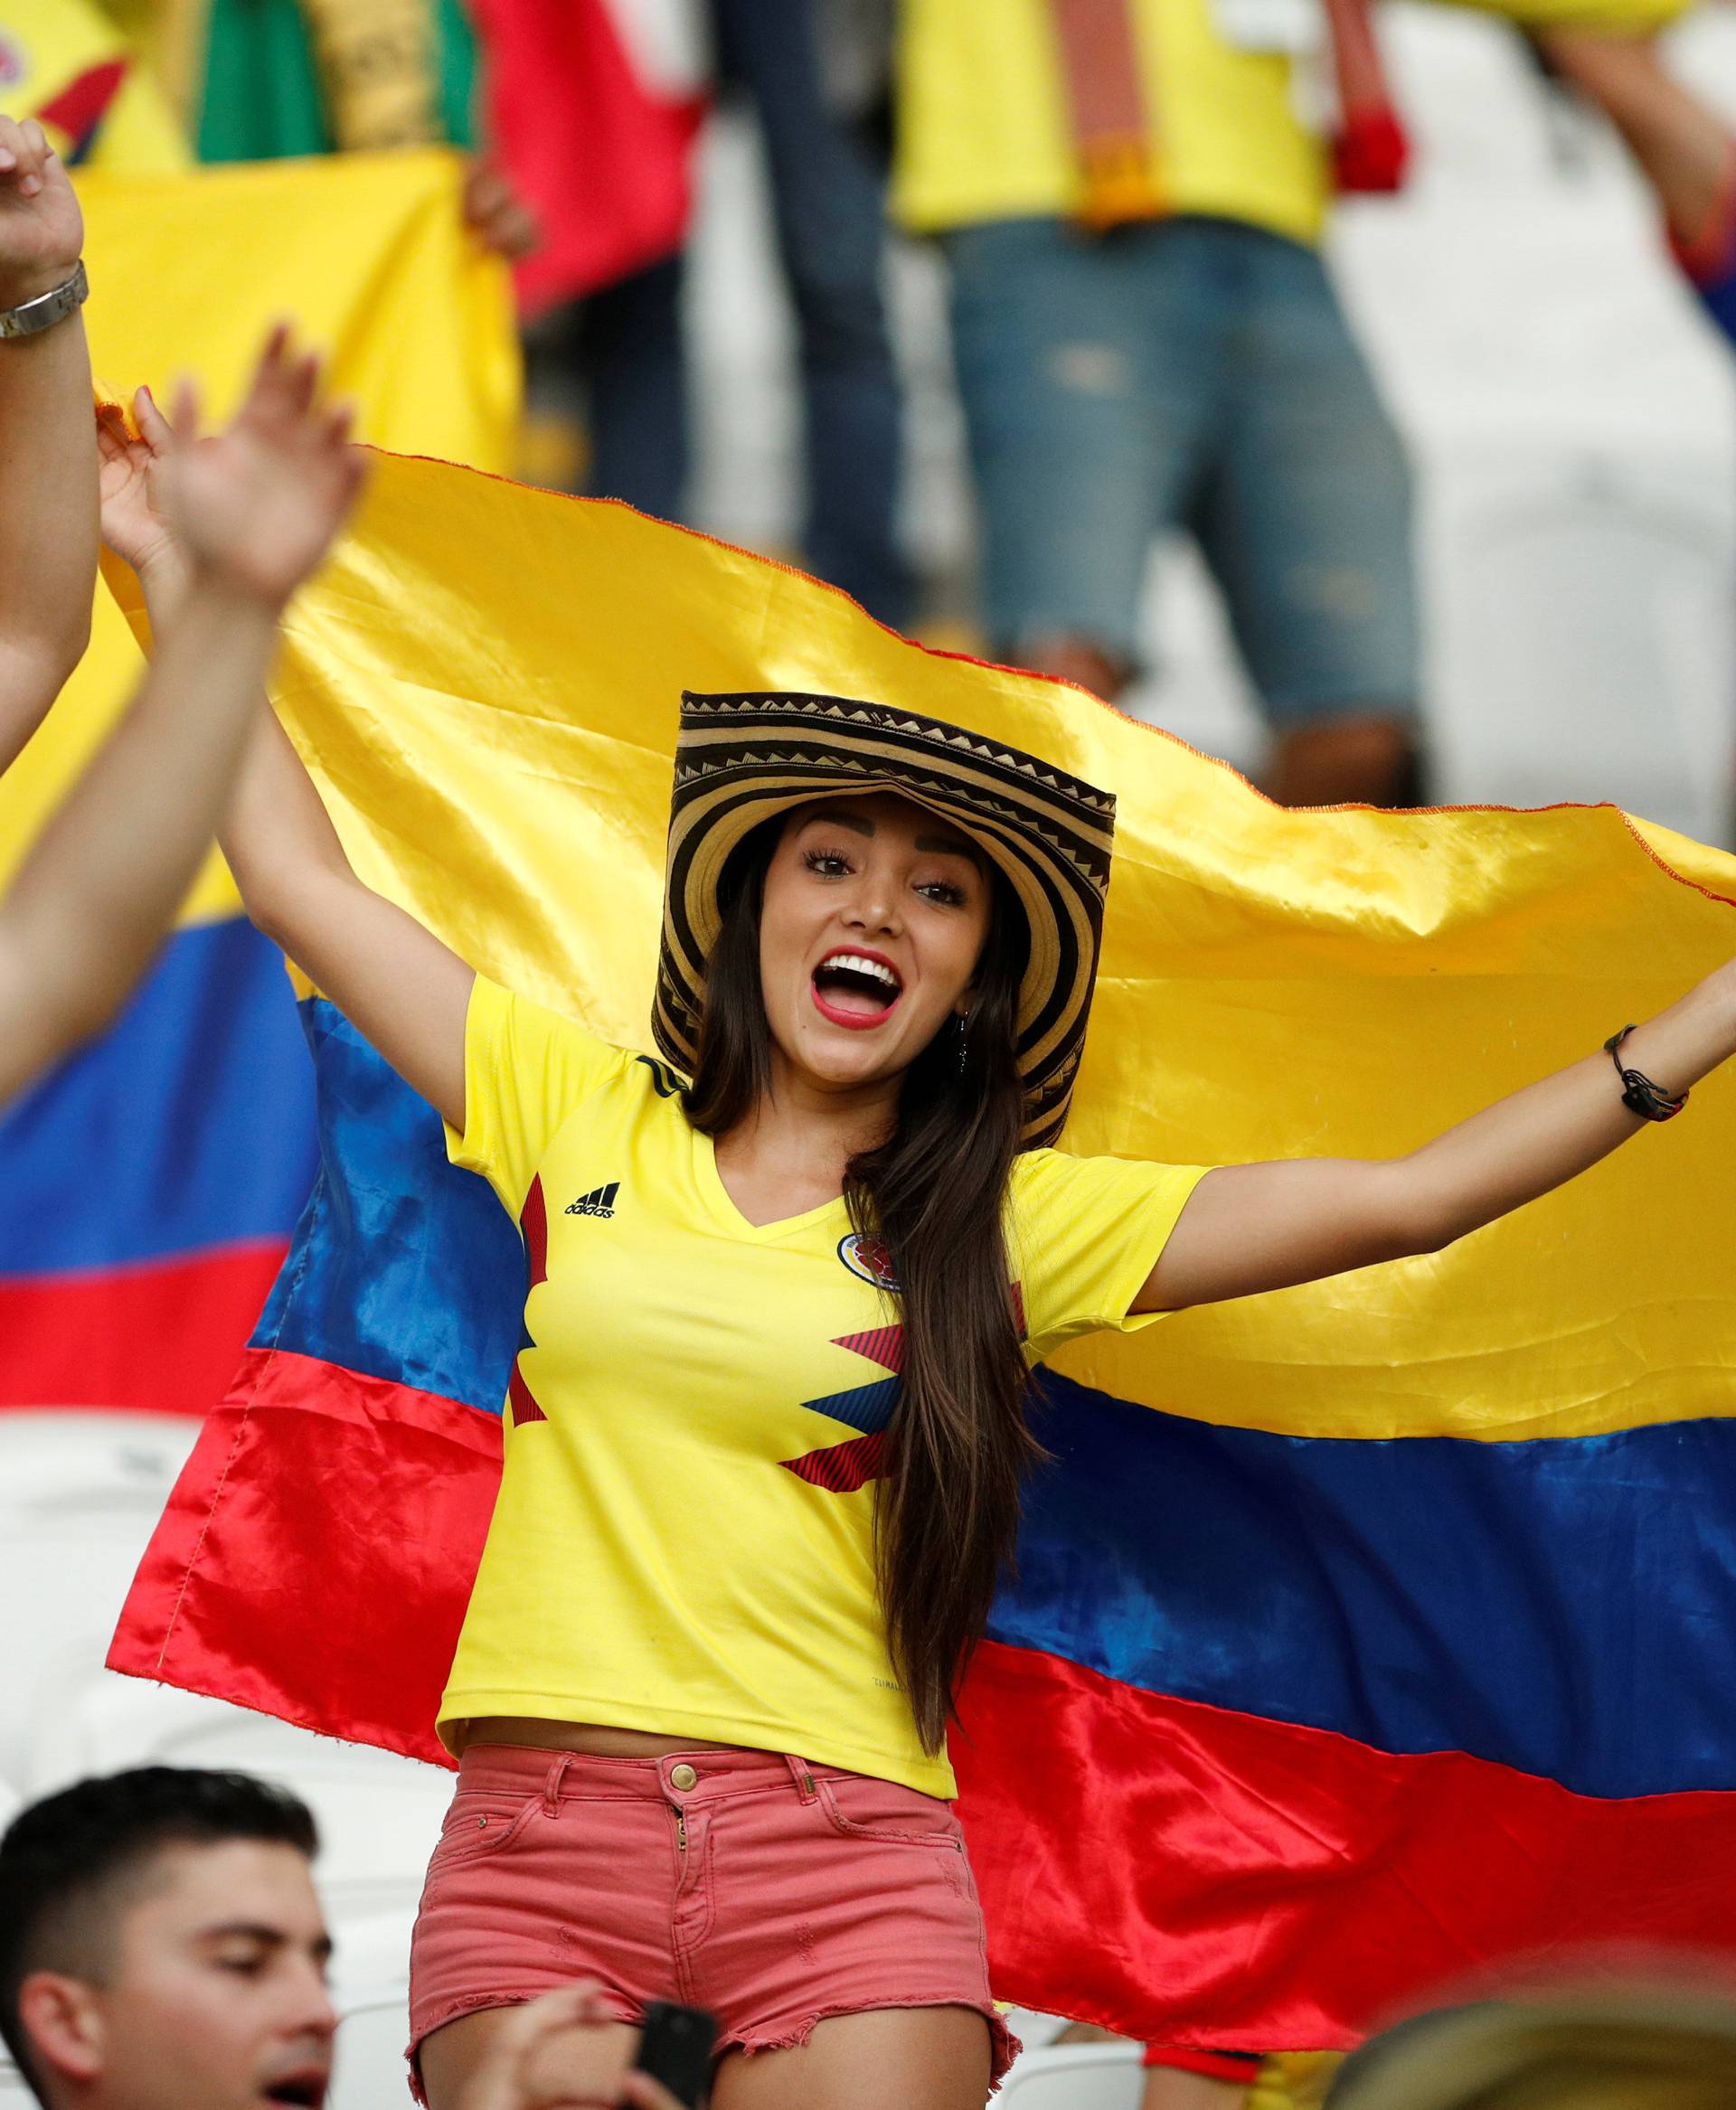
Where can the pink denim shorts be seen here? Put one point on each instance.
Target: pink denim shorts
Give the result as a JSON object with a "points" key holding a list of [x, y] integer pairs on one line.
{"points": [[772, 1892]]}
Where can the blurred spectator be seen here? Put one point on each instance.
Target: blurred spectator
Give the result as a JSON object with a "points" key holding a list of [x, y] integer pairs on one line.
{"points": [[827, 196], [254, 80], [1145, 336], [595, 105], [807, 72], [1665, 2047], [260, 79], [1683, 149], [162, 1946]]}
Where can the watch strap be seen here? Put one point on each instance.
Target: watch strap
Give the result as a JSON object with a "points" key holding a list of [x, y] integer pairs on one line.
{"points": [[30, 318]]}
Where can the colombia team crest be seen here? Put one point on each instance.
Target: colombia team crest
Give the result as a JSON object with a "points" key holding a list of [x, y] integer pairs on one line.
{"points": [[869, 1259]]}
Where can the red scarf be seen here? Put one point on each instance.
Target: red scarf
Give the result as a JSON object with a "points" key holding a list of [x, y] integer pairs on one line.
{"points": [[1115, 134]]}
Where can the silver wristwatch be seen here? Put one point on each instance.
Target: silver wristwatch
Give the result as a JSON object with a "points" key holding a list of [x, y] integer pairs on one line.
{"points": [[30, 318]]}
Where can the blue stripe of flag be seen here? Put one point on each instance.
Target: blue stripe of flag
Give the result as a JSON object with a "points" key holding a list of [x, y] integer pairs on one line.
{"points": [[187, 1126], [402, 1268], [1563, 1606]]}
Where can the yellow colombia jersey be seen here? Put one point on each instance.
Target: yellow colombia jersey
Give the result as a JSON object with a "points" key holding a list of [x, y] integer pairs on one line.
{"points": [[982, 132], [683, 1541]]}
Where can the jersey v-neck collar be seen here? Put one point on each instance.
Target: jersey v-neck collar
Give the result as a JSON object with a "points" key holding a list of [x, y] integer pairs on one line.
{"points": [[717, 1199]]}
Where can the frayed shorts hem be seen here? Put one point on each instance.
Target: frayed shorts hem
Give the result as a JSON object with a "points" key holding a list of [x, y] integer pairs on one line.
{"points": [[1004, 2047], [621, 2006]]}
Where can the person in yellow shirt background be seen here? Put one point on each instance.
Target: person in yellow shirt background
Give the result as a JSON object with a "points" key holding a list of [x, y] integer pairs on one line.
{"points": [[1129, 196]]}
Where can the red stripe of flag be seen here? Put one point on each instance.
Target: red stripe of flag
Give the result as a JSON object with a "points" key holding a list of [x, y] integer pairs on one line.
{"points": [[162, 1338], [1279, 1888]]}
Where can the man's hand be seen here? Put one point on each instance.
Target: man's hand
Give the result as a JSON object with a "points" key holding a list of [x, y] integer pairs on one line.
{"points": [[42, 229], [256, 505], [496, 213], [530, 2066]]}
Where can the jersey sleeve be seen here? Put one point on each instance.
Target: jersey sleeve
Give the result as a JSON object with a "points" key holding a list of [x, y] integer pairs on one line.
{"points": [[525, 1070], [1085, 1233]]}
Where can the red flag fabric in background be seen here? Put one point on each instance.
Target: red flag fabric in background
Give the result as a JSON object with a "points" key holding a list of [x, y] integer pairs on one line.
{"points": [[595, 125]]}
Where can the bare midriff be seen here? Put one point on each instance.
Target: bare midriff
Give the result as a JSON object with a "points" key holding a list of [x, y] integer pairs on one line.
{"points": [[576, 1735]]}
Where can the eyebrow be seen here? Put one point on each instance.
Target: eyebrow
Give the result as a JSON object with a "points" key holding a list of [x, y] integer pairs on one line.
{"points": [[949, 846], [271, 1937], [934, 845]]}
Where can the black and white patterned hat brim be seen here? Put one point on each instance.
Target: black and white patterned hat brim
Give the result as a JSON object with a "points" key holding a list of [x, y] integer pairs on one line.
{"points": [[739, 759]]}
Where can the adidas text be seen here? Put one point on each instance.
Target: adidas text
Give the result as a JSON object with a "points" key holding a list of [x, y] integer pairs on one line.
{"points": [[599, 1202]]}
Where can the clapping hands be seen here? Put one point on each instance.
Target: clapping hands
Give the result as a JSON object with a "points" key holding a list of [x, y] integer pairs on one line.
{"points": [[255, 506]]}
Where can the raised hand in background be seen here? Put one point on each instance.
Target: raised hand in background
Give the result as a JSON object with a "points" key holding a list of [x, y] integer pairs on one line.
{"points": [[231, 525]]}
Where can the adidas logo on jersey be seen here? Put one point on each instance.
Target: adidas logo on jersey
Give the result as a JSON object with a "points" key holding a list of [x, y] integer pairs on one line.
{"points": [[599, 1202]]}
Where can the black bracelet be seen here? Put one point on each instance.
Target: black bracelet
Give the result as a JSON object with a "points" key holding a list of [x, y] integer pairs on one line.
{"points": [[1640, 1094]]}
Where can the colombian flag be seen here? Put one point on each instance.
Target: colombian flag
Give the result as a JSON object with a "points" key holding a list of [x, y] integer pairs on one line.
{"points": [[65, 63], [148, 1187], [1362, 1631]]}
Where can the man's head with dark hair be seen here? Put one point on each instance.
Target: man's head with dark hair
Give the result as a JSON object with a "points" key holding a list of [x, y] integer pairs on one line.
{"points": [[162, 1946]]}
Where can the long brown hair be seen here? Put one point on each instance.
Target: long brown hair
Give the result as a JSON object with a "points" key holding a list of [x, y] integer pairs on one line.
{"points": [[946, 1508]]}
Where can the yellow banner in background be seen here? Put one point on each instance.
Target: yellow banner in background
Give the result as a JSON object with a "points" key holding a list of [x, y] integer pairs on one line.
{"points": [[370, 256], [486, 685]]}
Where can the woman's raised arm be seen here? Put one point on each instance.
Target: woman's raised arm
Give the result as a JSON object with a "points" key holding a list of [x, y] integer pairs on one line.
{"points": [[395, 981], [392, 978], [1259, 1226]]}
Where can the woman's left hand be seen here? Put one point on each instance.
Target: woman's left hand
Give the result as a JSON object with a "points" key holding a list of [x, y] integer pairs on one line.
{"points": [[133, 524]]}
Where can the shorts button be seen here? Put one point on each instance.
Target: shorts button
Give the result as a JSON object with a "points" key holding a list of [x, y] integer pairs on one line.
{"points": [[683, 1777]]}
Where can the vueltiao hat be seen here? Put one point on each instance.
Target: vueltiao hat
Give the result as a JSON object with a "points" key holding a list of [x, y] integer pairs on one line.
{"points": [[741, 759]]}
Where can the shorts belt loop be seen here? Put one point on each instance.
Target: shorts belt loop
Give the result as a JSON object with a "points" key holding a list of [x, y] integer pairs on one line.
{"points": [[802, 1773], [552, 1785]]}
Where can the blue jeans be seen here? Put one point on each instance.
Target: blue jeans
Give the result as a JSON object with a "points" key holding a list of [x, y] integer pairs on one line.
{"points": [[827, 201], [1193, 373]]}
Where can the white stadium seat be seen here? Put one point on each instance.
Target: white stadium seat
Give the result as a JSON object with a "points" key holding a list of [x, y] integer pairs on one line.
{"points": [[80, 1495], [1075, 2077], [379, 1815], [371, 2071], [371, 1985]]}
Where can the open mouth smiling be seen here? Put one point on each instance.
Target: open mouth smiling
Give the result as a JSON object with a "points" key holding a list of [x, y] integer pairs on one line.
{"points": [[303, 2089], [856, 988]]}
